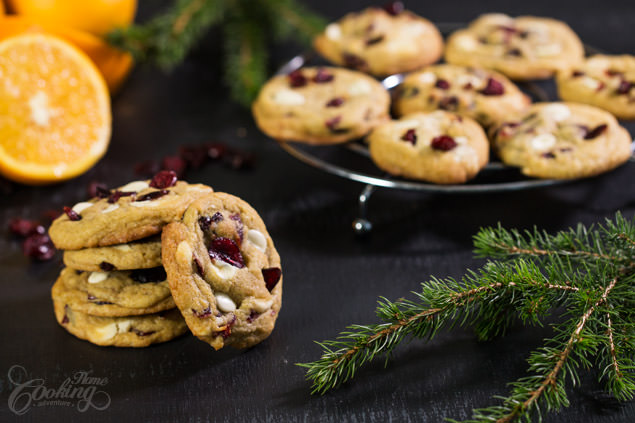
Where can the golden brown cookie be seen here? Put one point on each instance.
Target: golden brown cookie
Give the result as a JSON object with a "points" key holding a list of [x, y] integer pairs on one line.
{"points": [[525, 47], [224, 271], [132, 331], [381, 42], [142, 254], [484, 95], [562, 140], [131, 212], [439, 147], [116, 293], [321, 106], [607, 82]]}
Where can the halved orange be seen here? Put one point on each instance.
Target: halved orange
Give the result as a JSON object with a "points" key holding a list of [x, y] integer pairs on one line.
{"points": [[114, 64], [55, 119]]}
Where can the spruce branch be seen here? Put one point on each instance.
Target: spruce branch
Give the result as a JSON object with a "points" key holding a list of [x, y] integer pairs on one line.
{"points": [[588, 272], [248, 29]]}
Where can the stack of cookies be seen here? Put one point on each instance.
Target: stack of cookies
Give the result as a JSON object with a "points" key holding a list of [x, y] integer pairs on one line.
{"points": [[450, 115], [120, 276]]}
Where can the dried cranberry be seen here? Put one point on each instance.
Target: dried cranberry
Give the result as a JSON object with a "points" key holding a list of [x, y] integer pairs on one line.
{"points": [[394, 8], [322, 76], [154, 274], [449, 103], [577, 73], [374, 40], [142, 333], [493, 87], [106, 267], [216, 151], [253, 315], [502, 130], [239, 160], [442, 84], [116, 195], [147, 168], [548, 155], [24, 228], [565, 149], [153, 195], [175, 164], [595, 132], [194, 155], [613, 72], [72, 214], [600, 86], [38, 246], [199, 266], [65, 319], [164, 179], [97, 189], [203, 313], [353, 61], [443, 143], [239, 227], [228, 328], [332, 123], [335, 102], [514, 52], [625, 87], [411, 136], [204, 222], [468, 86], [217, 217], [297, 79], [227, 250], [271, 276]]}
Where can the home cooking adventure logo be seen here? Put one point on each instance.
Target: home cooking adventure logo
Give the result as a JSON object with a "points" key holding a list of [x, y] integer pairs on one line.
{"points": [[80, 390]]}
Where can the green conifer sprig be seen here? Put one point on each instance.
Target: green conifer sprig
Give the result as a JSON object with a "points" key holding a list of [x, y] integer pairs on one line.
{"points": [[248, 28], [588, 272]]}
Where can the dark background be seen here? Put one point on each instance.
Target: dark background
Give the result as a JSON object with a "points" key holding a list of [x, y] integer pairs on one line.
{"points": [[331, 279]]}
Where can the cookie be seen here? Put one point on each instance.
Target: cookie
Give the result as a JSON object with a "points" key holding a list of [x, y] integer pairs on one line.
{"points": [[142, 254], [522, 48], [132, 331], [562, 141], [484, 95], [381, 43], [607, 82], [117, 293], [131, 212], [224, 271], [321, 106], [439, 147]]}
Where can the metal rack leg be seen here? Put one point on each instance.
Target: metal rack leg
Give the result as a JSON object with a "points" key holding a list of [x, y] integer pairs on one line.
{"points": [[361, 225]]}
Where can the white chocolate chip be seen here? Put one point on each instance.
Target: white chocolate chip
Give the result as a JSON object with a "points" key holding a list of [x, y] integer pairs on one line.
{"points": [[257, 239], [135, 186], [288, 98], [464, 79], [466, 42], [123, 326], [123, 247], [110, 208], [543, 142], [590, 82], [96, 277], [184, 254], [224, 303], [261, 306], [333, 31], [548, 50], [80, 207], [460, 140], [359, 88], [146, 203], [223, 270], [557, 112], [106, 332], [427, 77]]}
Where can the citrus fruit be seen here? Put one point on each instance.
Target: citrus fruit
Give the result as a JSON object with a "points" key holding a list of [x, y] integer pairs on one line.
{"points": [[94, 16], [55, 117], [113, 63]]}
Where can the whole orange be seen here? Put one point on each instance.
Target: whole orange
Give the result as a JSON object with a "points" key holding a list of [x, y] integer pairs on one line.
{"points": [[95, 16]]}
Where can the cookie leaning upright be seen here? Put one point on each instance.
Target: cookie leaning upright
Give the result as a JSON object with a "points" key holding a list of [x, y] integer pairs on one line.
{"points": [[381, 41], [224, 271], [321, 105], [525, 47], [131, 212]]}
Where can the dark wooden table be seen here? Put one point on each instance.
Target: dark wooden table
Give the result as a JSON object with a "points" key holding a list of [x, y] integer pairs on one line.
{"points": [[331, 279]]}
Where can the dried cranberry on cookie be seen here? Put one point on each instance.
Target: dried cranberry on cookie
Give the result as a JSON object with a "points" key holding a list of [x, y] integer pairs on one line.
{"points": [[562, 140], [439, 147], [525, 47], [321, 105], [224, 271], [381, 41]]}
